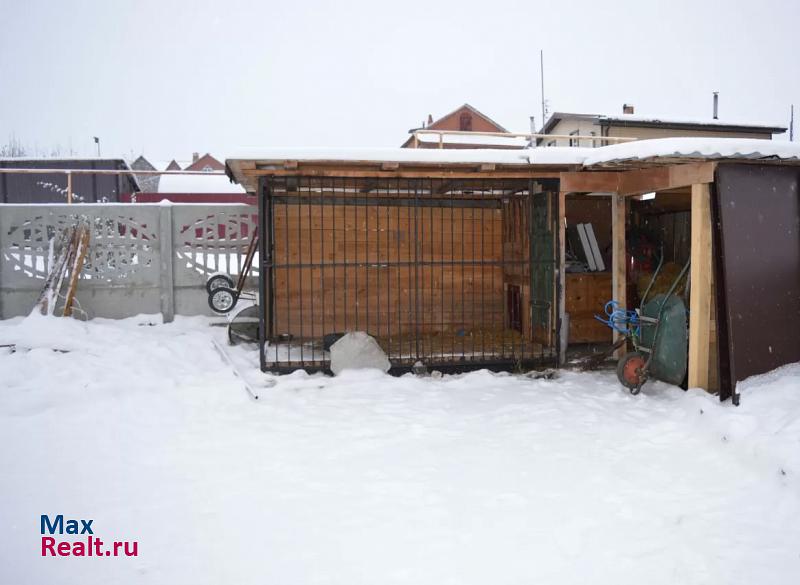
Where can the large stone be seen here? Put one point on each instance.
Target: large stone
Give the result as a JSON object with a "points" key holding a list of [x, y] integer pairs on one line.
{"points": [[357, 350]]}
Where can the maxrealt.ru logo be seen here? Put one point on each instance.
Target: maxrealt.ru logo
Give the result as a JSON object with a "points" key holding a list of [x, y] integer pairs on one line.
{"points": [[88, 546]]}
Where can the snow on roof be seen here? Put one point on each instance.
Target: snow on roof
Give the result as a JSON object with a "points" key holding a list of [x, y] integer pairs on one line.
{"points": [[197, 184], [478, 139], [411, 155], [694, 147], [634, 119], [690, 147]]}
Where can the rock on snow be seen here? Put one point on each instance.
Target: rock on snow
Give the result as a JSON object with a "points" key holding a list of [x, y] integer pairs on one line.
{"points": [[357, 350]]}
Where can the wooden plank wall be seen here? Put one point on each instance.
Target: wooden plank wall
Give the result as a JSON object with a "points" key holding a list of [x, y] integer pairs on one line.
{"points": [[461, 292]]}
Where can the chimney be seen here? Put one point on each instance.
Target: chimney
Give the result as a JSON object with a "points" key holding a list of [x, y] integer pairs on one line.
{"points": [[716, 105], [195, 157], [627, 109], [430, 119]]}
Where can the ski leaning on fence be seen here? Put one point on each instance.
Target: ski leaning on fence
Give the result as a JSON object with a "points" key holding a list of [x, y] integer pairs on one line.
{"points": [[71, 246]]}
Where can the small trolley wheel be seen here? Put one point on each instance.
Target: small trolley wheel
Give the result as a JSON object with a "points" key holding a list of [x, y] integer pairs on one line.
{"points": [[218, 280], [222, 299], [631, 371]]}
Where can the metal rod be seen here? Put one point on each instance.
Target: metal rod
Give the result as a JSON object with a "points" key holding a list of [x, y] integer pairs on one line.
{"points": [[104, 172], [529, 135]]}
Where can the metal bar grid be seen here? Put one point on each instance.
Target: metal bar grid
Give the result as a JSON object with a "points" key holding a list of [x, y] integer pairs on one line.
{"points": [[422, 265]]}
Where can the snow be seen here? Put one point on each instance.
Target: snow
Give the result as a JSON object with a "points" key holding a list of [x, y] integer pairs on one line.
{"points": [[694, 147], [474, 139], [655, 119], [633, 118], [197, 184], [366, 478], [409, 155]]}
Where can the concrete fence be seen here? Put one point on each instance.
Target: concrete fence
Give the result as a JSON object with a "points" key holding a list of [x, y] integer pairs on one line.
{"points": [[143, 258]]}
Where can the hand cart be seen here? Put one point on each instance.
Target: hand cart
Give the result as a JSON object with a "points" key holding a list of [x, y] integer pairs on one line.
{"points": [[222, 294], [658, 330]]}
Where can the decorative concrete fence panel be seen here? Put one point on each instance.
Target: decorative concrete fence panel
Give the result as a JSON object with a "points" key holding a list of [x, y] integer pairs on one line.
{"points": [[143, 258]]}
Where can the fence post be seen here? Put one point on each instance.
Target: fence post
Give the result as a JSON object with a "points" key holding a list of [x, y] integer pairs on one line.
{"points": [[166, 253]]}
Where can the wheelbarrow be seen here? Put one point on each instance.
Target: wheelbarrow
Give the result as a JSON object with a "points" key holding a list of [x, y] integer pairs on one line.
{"points": [[658, 330], [223, 294]]}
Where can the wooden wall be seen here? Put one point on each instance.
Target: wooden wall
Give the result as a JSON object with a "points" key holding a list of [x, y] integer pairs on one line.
{"points": [[366, 260]]}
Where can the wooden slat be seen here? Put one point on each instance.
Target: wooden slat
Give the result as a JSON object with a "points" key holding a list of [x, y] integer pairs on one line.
{"points": [[590, 181], [636, 182], [700, 299], [618, 265]]}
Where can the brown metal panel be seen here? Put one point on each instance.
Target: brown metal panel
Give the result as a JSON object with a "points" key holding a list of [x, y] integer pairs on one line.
{"points": [[51, 188], [758, 214]]}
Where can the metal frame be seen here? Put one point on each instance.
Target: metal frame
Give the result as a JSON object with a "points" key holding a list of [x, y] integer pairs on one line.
{"points": [[419, 263]]}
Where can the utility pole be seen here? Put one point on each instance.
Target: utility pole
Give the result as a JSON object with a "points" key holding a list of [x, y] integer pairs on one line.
{"points": [[541, 72], [791, 124], [97, 142]]}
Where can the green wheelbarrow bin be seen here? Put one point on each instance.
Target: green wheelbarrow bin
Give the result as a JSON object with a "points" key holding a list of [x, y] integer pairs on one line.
{"points": [[661, 346], [659, 332]]}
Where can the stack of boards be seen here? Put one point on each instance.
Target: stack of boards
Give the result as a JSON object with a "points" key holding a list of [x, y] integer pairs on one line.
{"points": [[584, 245]]}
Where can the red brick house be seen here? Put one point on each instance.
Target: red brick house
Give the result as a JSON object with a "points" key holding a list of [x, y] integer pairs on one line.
{"points": [[205, 163], [463, 119]]}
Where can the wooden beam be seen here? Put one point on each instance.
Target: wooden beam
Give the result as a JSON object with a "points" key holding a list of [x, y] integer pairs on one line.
{"points": [[290, 164], [562, 259], [432, 174], [590, 181], [390, 166], [700, 294], [487, 167], [618, 265], [636, 182]]}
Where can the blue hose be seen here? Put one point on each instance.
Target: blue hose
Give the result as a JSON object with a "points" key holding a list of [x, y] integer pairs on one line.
{"points": [[625, 322]]}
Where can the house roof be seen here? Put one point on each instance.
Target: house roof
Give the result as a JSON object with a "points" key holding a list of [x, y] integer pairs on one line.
{"points": [[142, 164], [204, 160], [637, 121], [690, 148], [461, 107], [241, 165]]}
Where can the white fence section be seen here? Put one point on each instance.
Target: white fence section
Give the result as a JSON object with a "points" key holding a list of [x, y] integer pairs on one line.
{"points": [[143, 258]]}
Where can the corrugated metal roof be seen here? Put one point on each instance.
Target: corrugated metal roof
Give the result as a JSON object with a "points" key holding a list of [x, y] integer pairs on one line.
{"points": [[693, 147]]}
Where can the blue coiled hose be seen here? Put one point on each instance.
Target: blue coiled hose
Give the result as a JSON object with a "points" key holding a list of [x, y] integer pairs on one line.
{"points": [[625, 322]]}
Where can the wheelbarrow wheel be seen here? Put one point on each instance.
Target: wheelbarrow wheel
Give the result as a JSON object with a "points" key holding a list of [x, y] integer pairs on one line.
{"points": [[631, 371], [222, 299], [217, 281]]}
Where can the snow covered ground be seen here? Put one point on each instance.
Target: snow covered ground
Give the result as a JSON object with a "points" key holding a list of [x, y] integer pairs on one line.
{"points": [[365, 478]]}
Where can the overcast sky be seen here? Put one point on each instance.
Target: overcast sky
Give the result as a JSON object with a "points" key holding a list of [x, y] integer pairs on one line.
{"points": [[167, 78]]}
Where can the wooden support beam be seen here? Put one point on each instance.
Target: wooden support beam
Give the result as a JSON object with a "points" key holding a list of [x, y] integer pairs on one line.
{"points": [[618, 265], [590, 181], [700, 297], [636, 182], [562, 258]]}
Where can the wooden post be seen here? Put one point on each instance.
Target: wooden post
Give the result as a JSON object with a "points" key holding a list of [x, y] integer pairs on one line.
{"points": [[618, 278], [562, 260], [700, 295], [69, 187], [441, 140]]}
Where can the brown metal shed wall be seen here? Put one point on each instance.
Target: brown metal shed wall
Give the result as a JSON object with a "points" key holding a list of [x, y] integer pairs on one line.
{"points": [[758, 215]]}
